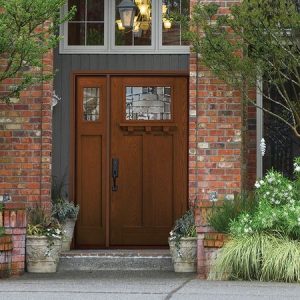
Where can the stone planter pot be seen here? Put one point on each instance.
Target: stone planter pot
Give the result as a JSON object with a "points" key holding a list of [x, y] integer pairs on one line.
{"points": [[68, 231], [39, 257], [184, 260]]}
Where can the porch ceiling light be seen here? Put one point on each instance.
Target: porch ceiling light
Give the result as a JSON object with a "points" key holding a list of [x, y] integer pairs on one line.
{"points": [[127, 11]]}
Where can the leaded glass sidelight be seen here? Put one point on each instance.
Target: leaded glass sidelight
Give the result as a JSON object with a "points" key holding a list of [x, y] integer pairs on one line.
{"points": [[172, 30], [91, 104], [148, 103]]}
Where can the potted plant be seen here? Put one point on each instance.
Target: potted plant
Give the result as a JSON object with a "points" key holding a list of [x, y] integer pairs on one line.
{"points": [[43, 241], [183, 243], [66, 213]]}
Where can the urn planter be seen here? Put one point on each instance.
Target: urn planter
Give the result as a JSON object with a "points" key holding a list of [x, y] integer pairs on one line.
{"points": [[42, 255], [184, 256], [68, 230]]}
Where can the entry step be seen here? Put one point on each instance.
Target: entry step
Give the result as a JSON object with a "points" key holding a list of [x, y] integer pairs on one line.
{"points": [[97, 260]]}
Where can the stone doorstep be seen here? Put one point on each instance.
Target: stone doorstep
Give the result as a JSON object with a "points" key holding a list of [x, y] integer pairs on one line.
{"points": [[95, 260]]}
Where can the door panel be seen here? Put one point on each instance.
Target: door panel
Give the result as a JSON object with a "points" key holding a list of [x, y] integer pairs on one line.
{"points": [[149, 137], [91, 151], [143, 124]]}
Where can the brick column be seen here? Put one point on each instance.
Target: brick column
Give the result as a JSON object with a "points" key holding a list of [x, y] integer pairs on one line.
{"points": [[214, 140], [25, 155], [14, 221], [26, 142]]}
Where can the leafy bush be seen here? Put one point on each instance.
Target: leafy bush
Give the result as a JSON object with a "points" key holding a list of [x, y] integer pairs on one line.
{"points": [[258, 257], [221, 216], [278, 209]]}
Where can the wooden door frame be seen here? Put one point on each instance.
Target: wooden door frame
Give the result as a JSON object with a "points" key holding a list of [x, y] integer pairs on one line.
{"points": [[108, 75]]}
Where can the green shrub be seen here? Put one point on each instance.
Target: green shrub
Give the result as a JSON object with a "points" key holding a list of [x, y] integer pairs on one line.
{"points": [[278, 209], [221, 216], [258, 257]]}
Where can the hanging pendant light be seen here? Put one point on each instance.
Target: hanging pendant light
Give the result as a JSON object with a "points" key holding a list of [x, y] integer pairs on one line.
{"points": [[167, 23], [127, 11]]}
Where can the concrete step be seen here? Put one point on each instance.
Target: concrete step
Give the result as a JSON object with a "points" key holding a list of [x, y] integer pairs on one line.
{"points": [[96, 260]]}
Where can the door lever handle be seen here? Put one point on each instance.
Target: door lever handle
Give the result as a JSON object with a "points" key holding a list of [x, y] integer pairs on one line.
{"points": [[115, 173]]}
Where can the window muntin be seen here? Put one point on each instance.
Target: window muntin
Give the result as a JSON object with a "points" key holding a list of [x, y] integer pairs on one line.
{"points": [[87, 28], [171, 30], [94, 37], [148, 103]]}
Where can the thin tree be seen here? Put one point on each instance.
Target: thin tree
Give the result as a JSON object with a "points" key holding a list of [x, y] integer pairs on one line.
{"points": [[28, 30]]}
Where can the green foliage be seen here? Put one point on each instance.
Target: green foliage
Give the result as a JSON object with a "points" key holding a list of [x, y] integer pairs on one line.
{"points": [[278, 210], [222, 216], [258, 257], [62, 208], [258, 39], [25, 40], [40, 223], [184, 227]]}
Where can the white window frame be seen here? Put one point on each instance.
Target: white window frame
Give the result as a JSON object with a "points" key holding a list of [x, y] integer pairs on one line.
{"points": [[109, 31]]}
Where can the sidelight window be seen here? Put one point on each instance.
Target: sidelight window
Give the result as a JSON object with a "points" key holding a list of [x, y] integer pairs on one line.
{"points": [[91, 104]]}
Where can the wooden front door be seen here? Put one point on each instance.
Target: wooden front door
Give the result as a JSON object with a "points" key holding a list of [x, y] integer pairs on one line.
{"points": [[131, 159]]}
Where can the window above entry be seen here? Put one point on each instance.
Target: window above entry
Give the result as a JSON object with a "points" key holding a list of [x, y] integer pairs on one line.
{"points": [[97, 27]]}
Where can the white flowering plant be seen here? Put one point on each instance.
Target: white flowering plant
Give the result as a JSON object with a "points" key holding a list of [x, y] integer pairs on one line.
{"points": [[40, 223], [278, 210]]}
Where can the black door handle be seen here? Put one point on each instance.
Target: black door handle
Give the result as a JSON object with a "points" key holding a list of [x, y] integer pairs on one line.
{"points": [[115, 173]]}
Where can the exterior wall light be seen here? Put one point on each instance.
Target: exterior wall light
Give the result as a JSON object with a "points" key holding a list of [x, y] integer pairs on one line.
{"points": [[127, 11]]}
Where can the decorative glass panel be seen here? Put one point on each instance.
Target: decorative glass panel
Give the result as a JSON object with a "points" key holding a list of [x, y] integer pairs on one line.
{"points": [[91, 103], [171, 30], [87, 27], [148, 103], [140, 33]]}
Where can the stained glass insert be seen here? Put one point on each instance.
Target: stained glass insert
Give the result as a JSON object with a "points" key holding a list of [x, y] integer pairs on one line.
{"points": [[148, 103], [91, 104]]}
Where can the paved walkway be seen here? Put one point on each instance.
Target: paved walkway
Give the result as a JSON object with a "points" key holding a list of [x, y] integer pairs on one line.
{"points": [[138, 285]]}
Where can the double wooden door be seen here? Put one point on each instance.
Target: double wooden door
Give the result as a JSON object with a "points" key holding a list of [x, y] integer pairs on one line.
{"points": [[130, 159]]}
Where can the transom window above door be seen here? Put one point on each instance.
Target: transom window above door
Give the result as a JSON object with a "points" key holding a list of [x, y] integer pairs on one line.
{"points": [[97, 27]]}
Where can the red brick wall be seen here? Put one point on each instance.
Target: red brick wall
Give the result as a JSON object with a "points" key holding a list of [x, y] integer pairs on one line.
{"points": [[25, 154], [14, 221], [25, 142], [215, 142]]}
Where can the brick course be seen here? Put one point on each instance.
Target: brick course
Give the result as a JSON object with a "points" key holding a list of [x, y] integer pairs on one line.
{"points": [[25, 155], [215, 141], [26, 142]]}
